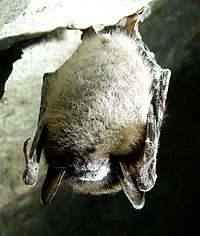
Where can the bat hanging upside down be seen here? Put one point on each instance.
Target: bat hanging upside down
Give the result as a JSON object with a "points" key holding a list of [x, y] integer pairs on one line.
{"points": [[100, 120]]}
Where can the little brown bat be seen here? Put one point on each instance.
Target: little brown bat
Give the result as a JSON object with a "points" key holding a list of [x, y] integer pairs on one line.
{"points": [[100, 119]]}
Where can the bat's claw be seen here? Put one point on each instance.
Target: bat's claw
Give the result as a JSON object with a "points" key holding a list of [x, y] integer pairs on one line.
{"points": [[30, 174]]}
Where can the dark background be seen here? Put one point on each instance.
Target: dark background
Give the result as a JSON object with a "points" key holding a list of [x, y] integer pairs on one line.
{"points": [[172, 32]]}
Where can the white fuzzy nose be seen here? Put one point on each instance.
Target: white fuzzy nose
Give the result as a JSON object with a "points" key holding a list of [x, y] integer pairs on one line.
{"points": [[93, 171]]}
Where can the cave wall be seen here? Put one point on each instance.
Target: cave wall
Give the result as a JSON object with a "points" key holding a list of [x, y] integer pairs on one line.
{"points": [[172, 32]]}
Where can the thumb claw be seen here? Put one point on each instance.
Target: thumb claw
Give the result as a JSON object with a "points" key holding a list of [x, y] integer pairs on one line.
{"points": [[30, 174]]}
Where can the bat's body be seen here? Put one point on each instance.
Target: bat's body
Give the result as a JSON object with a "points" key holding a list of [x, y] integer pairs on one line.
{"points": [[97, 108], [101, 120]]}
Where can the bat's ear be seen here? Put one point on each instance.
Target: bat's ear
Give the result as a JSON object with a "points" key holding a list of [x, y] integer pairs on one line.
{"points": [[135, 196], [51, 183]]}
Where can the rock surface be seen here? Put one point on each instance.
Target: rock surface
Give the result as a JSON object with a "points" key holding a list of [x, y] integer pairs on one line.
{"points": [[11, 9], [172, 32], [39, 17]]}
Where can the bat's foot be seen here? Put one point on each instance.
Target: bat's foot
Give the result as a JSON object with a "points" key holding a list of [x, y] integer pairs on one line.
{"points": [[130, 24], [132, 21]]}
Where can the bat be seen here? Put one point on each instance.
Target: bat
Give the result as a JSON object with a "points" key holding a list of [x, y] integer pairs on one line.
{"points": [[100, 119]]}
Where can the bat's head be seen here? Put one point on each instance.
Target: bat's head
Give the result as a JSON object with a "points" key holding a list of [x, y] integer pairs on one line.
{"points": [[97, 169]]}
